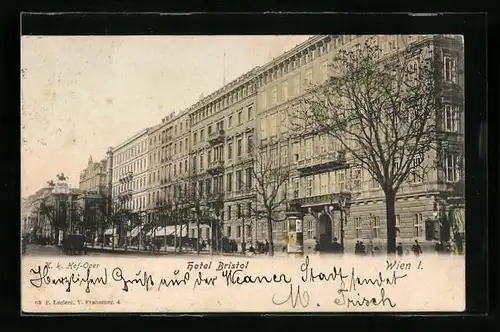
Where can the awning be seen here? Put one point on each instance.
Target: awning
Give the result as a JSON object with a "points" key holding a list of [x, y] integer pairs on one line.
{"points": [[134, 232], [169, 230]]}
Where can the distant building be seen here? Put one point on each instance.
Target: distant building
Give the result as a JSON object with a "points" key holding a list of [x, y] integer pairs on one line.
{"points": [[93, 177], [30, 208]]}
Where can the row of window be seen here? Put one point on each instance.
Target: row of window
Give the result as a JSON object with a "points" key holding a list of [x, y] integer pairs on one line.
{"points": [[388, 44], [172, 150], [139, 165], [179, 128], [199, 136], [280, 230], [222, 103], [237, 181], [137, 203], [375, 230], [223, 152], [169, 172], [135, 185], [129, 153], [281, 92], [317, 184]]}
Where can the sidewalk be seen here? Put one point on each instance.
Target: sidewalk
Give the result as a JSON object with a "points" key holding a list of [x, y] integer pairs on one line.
{"points": [[161, 252]]}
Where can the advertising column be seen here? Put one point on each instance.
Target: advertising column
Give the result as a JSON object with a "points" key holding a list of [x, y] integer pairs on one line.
{"points": [[295, 235]]}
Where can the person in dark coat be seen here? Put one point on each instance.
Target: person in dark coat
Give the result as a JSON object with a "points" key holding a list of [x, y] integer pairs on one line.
{"points": [[316, 246], [439, 248], [357, 248], [362, 249], [399, 249], [266, 247], [417, 250], [336, 246]]}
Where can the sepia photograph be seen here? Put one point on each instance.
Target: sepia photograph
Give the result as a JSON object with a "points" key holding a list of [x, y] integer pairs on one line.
{"points": [[306, 172]]}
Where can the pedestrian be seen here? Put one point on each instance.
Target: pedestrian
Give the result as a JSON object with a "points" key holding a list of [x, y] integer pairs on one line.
{"points": [[316, 246], [417, 250], [399, 249], [23, 244], [266, 247], [357, 248], [336, 246], [362, 249], [439, 248]]}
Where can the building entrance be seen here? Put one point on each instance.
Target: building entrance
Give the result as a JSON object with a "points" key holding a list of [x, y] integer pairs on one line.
{"points": [[325, 232]]}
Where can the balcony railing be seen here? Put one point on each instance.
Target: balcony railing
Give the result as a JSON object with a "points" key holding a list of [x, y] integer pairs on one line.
{"points": [[216, 137], [215, 167], [215, 198], [326, 199], [322, 162], [237, 194], [125, 193], [126, 177]]}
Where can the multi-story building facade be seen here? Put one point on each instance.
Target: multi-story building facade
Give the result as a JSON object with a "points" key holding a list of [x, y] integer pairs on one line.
{"points": [[129, 174], [168, 172], [222, 137], [320, 169], [93, 178], [207, 145]]}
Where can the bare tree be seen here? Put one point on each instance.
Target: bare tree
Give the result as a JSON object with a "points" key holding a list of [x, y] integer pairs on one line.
{"points": [[270, 175], [105, 216], [165, 214], [202, 204], [55, 216], [382, 112]]}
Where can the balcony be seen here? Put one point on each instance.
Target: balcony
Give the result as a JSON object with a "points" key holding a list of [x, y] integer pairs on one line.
{"points": [[321, 163], [215, 199], [239, 194], [245, 159], [125, 193], [216, 137], [215, 167], [321, 200], [127, 177]]}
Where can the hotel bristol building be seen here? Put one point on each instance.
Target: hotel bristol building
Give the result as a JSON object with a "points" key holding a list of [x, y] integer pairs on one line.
{"points": [[210, 143]]}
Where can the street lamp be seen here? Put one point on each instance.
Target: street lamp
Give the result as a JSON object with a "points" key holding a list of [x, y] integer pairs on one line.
{"points": [[341, 203]]}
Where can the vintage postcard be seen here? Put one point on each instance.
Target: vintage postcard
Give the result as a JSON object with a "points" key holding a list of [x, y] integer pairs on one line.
{"points": [[202, 174]]}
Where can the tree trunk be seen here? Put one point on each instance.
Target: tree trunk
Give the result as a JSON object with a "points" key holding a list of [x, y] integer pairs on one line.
{"points": [[56, 235], [390, 205], [198, 237], [175, 236], [270, 236], [103, 235]]}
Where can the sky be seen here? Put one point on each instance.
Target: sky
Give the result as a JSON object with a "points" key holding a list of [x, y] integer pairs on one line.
{"points": [[83, 94]]}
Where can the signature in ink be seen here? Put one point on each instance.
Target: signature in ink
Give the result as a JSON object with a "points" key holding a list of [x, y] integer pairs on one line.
{"points": [[294, 298]]}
